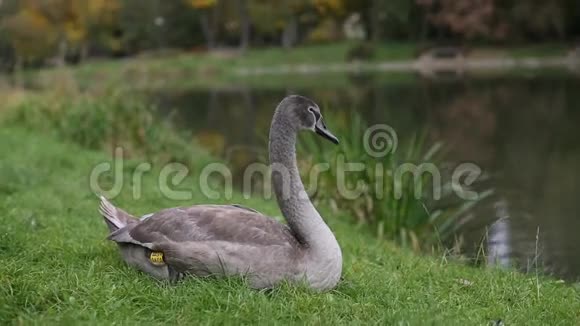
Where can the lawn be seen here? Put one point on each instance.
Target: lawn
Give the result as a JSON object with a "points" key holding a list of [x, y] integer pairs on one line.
{"points": [[57, 267], [183, 70], [210, 70]]}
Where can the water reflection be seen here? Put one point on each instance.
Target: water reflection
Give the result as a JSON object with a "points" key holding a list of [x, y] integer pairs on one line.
{"points": [[523, 131]]}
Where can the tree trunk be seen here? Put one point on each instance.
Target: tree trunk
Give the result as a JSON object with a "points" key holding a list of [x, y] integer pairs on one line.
{"points": [[84, 51], [62, 52], [376, 30], [18, 63], [244, 24], [207, 28], [290, 33]]}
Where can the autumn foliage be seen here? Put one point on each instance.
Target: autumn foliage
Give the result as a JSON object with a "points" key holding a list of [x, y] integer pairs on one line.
{"points": [[39, 29], [39, 26]]}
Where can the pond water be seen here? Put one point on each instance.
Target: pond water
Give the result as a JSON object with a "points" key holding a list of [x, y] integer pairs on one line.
{"points": [[522, 130]]}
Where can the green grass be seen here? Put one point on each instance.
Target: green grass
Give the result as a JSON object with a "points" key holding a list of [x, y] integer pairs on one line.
{"points": [[269, 56], [214, 70], [545, 50], [57, 268]]}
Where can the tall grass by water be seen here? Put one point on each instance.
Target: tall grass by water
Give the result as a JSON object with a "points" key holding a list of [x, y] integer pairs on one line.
{"points": [[403, 207]]}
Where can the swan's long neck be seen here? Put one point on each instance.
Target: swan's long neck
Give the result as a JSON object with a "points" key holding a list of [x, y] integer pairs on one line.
{"points": [[302, 216]]}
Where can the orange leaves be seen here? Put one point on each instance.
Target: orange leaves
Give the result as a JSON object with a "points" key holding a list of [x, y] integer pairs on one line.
{"points": [[103, 12], [330, 7], [40, 24], [75, 32], [201, 4], [31, 33]]}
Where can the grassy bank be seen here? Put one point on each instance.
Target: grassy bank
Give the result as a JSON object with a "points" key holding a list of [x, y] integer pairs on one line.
{"points": [[226, 61], [211, 69], [221, 68], [57, 267]]}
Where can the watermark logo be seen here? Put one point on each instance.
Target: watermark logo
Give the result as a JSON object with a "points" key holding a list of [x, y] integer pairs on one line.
{"points": [[379, 141]]}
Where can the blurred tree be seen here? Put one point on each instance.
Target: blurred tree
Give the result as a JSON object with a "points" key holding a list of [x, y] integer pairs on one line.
{"points": [[538, 19], [469, 19], [138, 25], [245, 23], [271, 19], [331, 7], [208, 10], [103, 25], [36, 29], [503, 20], [394, 19], [278, 20], [7, 58], [41, 27], [156, 24], [331, 13], [31, 34]]}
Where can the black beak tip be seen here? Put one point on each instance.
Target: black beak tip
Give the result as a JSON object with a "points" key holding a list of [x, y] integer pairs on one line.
{"points": [[328, 135]]}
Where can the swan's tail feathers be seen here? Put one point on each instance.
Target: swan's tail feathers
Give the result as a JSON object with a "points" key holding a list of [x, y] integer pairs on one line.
{"points": [[115, 218]]}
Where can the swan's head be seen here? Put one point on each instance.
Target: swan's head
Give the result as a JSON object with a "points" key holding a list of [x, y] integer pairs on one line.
{"points": [[304, 114]]}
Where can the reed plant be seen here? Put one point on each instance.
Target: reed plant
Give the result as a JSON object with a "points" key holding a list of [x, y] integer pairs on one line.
{"points": [[403, 207]]}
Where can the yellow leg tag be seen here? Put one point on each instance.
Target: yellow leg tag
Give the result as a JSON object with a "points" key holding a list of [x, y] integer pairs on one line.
{"points": [[156, 258]]}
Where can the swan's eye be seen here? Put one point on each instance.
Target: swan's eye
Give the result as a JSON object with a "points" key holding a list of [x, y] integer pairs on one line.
{"points": [[316, 113]]}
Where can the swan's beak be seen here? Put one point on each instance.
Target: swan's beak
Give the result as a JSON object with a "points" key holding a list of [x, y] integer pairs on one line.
{"points": [[320, 128]]}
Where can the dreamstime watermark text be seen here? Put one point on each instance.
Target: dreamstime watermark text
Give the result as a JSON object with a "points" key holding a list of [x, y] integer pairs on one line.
{"points": [[215, 180]]}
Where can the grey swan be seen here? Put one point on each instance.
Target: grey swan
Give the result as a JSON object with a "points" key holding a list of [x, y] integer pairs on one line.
{"points": [[231, 240]]}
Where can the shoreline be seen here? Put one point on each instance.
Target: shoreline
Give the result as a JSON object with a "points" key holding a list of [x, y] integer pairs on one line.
{"points": [[424, 66]]}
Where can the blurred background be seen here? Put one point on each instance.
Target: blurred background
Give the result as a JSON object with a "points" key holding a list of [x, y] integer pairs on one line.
{"points": [[495, 83]]}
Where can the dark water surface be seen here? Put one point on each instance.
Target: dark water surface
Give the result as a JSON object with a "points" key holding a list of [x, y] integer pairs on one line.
{"points": [[523, 131]]}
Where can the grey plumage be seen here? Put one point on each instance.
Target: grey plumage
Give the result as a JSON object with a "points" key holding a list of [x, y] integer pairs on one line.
{"points": [[227, 240]]}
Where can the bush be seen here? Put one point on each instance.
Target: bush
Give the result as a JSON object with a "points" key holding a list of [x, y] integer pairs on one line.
{"points": [[110, 121]]}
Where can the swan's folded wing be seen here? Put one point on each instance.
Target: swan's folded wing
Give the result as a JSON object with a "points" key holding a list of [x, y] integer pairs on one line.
{"points": [[207, 223]]}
